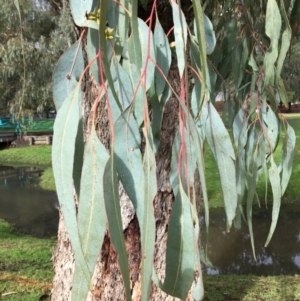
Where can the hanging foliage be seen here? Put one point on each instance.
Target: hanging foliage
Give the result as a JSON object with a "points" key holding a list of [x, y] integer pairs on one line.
{"points": [[130, 63]]}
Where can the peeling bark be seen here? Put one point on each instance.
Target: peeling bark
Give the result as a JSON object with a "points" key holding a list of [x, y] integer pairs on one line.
{"points": [[63, 261], [107, 280]]}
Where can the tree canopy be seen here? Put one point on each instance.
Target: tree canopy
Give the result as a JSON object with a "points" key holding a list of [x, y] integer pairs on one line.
{"points": [[33, 34]]}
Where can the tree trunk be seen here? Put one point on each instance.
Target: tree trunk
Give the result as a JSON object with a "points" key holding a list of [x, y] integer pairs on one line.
{"points": [[107, 280]]}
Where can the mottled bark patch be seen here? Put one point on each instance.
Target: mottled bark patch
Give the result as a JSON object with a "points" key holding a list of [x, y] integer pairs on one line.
{"points": [[133, 246]]}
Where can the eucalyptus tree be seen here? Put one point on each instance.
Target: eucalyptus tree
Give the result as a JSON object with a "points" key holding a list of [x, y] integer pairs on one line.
{"points": [[33, 34], [135, 107]]}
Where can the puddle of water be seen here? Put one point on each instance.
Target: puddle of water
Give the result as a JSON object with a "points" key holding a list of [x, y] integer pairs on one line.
{"points": [[34, 211], [31, 210], [231, 253]]}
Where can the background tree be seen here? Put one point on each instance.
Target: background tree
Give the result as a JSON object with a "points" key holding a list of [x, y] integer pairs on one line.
{"points": [[141, 112], [291, 71], [33, 34]]}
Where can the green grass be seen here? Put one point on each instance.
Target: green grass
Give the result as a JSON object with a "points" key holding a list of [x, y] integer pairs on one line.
{"points": [[252, 288], [291, 115], [47, 180], [26, 270], [33, 155], [25, 264]]}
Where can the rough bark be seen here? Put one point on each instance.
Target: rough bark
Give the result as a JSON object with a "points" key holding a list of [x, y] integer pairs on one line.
{"points": [[107, 280]]}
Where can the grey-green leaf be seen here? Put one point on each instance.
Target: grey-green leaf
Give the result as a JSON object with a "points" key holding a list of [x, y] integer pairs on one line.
{"points": [[67, 73], [122, 27], [163, 58], [288, 148], [273, 27], [129, 163], [92, 48], [180, 33], [122, 84], [272, 130], [80, 9], [65, 131], [148, 224], [91, 214], [201, 41], [274, 175], [138, 90], [113, 211], [221, 147], [209, 34], [198, 291], [91, 211], [147, 48], [240, 127], [188, 163], [285, 41], [251, 183], [134, 43], [180, 248]]}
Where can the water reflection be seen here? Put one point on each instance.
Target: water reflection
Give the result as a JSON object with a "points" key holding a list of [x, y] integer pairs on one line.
{"points": [[231, 253], [30, 209], [33, 211]]}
